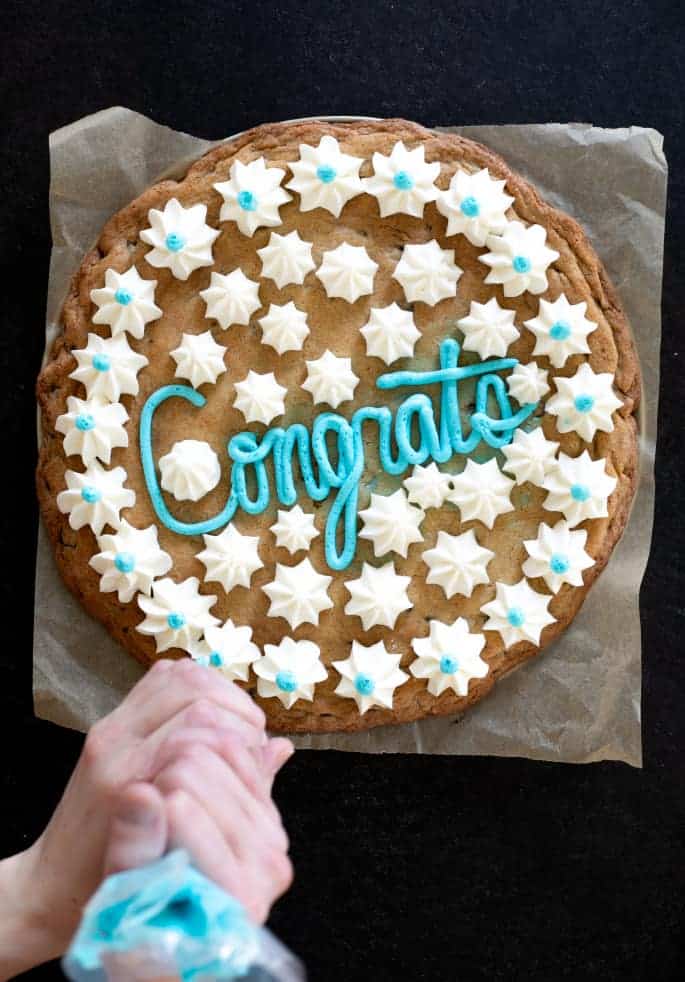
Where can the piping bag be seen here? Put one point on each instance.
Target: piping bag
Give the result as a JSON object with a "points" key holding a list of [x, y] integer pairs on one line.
{"points": [[166, 921]]}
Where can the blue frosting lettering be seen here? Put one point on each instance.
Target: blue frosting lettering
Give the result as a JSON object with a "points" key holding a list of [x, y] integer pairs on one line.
{"points": [[411, 437]]}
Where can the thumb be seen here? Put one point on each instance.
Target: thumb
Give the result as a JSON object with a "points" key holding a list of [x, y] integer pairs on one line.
{"points": [[138, 829], [275, 754]]}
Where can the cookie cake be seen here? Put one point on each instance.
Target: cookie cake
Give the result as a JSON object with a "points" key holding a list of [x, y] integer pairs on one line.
{"points": [[348, 414]]}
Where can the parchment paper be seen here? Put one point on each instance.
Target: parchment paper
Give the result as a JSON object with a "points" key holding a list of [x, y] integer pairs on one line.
{"points": [[578, 702]]}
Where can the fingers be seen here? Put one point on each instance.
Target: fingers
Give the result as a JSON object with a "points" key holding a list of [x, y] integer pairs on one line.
{"points": [[246, 821], [255, 885], [138, 830], [170, 687], [246, 761], [202, 715], [191, 828], [250, 855], [196, 746]]}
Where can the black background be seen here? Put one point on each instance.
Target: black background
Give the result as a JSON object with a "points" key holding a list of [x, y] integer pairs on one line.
{"points": [[406, 868]]}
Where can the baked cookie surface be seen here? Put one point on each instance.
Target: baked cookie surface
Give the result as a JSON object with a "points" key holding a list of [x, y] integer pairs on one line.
{"points": [[400, 436]]}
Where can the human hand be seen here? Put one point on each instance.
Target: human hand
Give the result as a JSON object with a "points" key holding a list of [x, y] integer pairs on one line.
{"points": [[183, 761]]}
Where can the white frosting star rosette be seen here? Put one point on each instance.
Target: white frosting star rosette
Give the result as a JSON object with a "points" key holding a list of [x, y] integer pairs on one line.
{"points": [[390, 529]]}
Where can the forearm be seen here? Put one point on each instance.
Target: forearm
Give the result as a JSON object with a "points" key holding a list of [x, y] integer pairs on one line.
{"points": [[27, 936]]}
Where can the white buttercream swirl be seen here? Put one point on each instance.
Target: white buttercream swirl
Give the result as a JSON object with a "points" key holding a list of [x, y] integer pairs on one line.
{"points": [[284, 327], [199, 359], [457, 563], [252, 195], [517, 613], [129, 560], [488, 329], [298, 593], [330, 379], [190, 470], [391, 523], [390, 333], [294, 529], [230, 558], [260, 398], [561, 329], [527, 383], [286, 259], [231, 298], [428, 486], [378, 596], [584, 403], [579, 487], [176, 614], [180, 238], [108, 368], [347, 272], [92, 428], [449, 657], [403, 182], [126, 302], [530, 456], [557, 555], [481, 492], [289, 671], [325, 177], [474, 205], [518, 259], [369, 676], [95, 497], [228, 648], [427, 273]]}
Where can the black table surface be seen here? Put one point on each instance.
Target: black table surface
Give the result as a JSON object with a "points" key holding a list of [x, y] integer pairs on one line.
{"points": [[406, 867]]}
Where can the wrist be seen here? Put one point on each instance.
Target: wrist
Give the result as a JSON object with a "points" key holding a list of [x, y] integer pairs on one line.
{"points": [[29, 934]]}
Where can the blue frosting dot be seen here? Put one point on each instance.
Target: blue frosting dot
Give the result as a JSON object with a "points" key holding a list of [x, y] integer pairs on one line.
{"points": [[559, 331], [583, 403], [326, 173], [175, 242], [286, 681], [215, 659], [470, 207], [448, 664], [125, 562], [91, 494], [559, 563], [521, 264], [364, 684], [580, 492], [123, 296], [403, 181], [84, 422], [516, 617], [247, 200], [176, 621], [101, 363]]}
